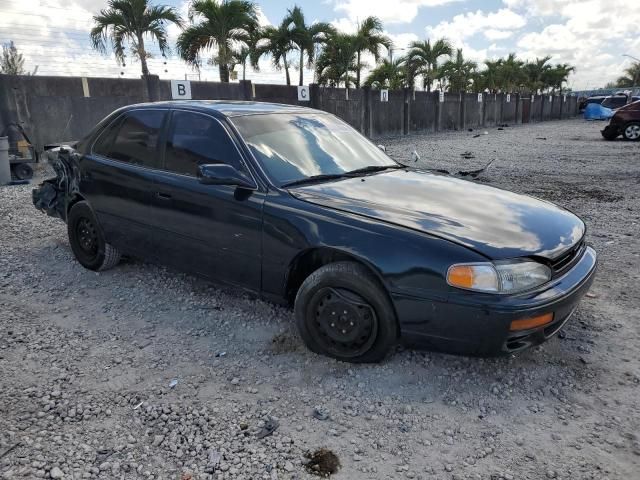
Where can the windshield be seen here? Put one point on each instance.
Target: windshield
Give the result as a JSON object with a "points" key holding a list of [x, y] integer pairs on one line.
{"points": [[293, 147]]}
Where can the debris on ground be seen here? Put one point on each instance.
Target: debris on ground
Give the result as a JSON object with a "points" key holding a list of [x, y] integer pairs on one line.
{"points": [[467, 155], [320, 413], [541, 138], [173, 383], [270, 426], [322, 462]]}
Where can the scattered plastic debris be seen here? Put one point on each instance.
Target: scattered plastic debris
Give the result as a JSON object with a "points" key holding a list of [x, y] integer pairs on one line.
{"points": [[138, 406], [220, 354], [320, 413], [270, 426], [468, 154], [214, 458], [173, 383]]}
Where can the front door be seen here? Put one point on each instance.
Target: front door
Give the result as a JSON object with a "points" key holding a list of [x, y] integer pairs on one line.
{"points": [[214, 230], [118, 176]]}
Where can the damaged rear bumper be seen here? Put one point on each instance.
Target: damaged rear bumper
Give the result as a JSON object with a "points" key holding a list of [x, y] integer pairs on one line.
{"points": [[55, 194]]}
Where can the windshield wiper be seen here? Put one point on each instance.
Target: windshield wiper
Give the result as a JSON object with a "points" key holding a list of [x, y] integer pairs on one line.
{"points": [[372, 168], [314, 178]]}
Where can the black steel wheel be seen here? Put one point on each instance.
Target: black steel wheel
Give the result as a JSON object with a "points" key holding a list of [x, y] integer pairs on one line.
{"points": [[345, 324], [343, 312], [87, 235], [87, 240]]}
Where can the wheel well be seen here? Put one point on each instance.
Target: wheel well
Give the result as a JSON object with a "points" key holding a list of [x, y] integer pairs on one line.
{"points": [[72, 201], [308, 262]]}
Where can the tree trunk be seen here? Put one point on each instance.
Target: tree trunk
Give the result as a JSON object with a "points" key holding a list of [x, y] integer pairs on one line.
{"points": [[143, 56], [301, 67], [286, 69], [223, 68], [357, 70]]}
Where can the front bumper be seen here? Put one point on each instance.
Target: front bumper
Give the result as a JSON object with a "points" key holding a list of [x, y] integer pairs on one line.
{"points": [[479, 324], [611, 131]]}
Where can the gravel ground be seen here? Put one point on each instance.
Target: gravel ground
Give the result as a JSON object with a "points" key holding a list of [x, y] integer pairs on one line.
{"points": [[142, 372]]}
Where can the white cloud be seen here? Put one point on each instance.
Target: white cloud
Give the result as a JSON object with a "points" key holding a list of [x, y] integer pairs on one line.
{"points": [[494, 25], [584, 34], [399, 11], [494, 34]]}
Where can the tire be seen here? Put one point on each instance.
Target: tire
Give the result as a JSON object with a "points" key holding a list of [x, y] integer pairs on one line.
{"points": [[631, 131], [22, 171], [364, 332], [87, 239], [609, 133]]}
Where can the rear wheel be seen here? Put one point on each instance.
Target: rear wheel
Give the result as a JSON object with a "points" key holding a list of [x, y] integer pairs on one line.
{"points": [[87, 240], [632, 131], [22, 171], [343, 312]]}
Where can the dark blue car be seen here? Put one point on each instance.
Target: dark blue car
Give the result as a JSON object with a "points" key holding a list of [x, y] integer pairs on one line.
{"points": [[295, 205]]}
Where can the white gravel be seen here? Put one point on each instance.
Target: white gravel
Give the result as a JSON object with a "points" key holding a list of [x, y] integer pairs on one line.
{"points": [[87, 359]]}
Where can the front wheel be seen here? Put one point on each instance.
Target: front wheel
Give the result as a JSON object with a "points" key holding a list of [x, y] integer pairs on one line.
{"points": [[87, 240], [609, 133], [343, 312], [632, 131]]}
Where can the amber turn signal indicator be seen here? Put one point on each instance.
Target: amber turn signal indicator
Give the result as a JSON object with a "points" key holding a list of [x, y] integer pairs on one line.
{"points": [[533, 322], [461, 276]]}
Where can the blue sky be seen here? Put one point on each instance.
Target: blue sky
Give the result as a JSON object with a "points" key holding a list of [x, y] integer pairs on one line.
{"points": [[592, 35]]}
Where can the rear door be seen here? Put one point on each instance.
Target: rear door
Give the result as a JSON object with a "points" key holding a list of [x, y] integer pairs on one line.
{"points": [[117, 178], [213, 230]]}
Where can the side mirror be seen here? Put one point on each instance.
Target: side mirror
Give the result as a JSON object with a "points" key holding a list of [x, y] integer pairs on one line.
{"points": [[383, 148], [223, 174]]}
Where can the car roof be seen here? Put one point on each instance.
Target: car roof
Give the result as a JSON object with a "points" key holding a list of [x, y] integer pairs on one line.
{"points": [[228, 108]]}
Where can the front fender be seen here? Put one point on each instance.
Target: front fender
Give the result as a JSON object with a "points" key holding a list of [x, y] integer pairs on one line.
{"points": [[408, 262]]}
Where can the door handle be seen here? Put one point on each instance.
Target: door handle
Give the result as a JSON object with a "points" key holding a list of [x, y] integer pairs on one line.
{"points": [[163, 196]]}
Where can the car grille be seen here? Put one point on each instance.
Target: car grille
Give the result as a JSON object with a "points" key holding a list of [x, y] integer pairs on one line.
{"points": [[568, 258]]}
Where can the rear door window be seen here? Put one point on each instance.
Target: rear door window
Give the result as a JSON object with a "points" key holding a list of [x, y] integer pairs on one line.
{"points": [[136, 140], [196, 139]]}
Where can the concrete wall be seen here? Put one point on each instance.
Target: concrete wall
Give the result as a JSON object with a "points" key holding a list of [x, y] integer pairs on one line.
{"points": [[54, 109], [423, 116]]}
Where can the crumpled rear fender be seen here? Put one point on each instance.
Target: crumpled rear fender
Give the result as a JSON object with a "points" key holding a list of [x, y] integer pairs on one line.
{"points": [[54, 195]]}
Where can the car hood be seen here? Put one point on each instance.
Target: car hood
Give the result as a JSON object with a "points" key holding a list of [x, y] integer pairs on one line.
{"points": [[494, 222]]}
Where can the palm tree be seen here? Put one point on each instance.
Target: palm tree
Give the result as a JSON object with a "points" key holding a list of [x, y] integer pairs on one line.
{"points": [[247, 52], [276, 42], [490, 75], [458, 72], [306, 37], [388, 74], [556, 76], [535, 72], [424, 57], [131, 21], [510, 73], [224, 24], [336, 61], [631, 77], [369, 38]]}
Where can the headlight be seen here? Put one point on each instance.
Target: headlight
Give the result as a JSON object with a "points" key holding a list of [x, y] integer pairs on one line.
{"points": [[502, 277]]}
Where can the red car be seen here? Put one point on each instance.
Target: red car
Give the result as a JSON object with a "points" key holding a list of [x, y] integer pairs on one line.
{"points": [[625, 122]]}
